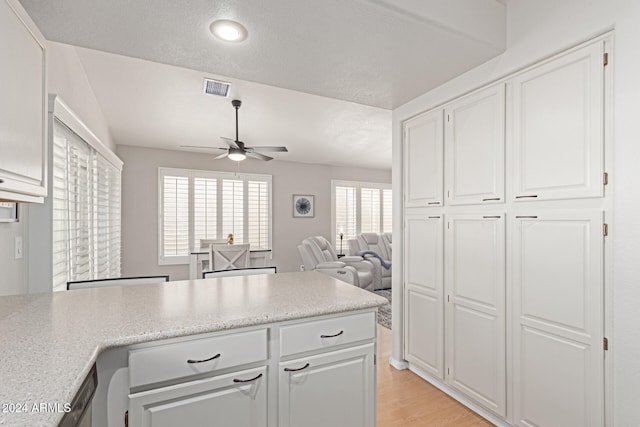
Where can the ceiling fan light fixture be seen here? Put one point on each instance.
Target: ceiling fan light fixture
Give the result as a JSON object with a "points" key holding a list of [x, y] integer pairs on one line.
{"points": [[229, 31], [236, 154]]}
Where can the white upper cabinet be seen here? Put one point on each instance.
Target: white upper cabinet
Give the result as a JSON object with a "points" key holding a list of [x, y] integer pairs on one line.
{"points": [[474, 148], [423, 160], [23, 162], [475, 314], [557, 128], [558, 318]]}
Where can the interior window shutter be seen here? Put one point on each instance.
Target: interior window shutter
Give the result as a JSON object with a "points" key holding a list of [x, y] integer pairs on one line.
{"points": [[115, 225], [79, 215], [59, 209], [345, 204], [258, 215], [370, 210], [387, 209], [175, 211], [233, 209], [205, 221]]}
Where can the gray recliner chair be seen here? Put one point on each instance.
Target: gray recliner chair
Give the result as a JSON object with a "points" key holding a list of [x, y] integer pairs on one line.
{"points": [[375, 243], [322, 256]]}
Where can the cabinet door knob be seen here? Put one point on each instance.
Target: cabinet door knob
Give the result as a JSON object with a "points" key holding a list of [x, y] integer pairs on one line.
{"points": [[332, 336], [235, 380], [296, 369], [204, 360]]}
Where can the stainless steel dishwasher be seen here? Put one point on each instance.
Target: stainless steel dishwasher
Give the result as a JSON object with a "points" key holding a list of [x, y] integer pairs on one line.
{"points": [[80, 413]]}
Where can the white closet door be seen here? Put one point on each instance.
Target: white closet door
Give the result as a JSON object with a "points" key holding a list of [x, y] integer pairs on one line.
{"points": [[474, 141], [423, 295], [558, 140], [558, 313], [423, 145], [475, 314]]}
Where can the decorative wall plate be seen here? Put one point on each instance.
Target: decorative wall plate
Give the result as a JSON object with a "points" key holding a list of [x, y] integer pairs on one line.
{"points": [[303, 206]]}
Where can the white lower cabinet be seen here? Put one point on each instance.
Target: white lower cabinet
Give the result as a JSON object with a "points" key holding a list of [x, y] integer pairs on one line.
{"points": [[238, 399], [475, 312], [331, 389], [424, 294], [558, 307], [304, 373]]}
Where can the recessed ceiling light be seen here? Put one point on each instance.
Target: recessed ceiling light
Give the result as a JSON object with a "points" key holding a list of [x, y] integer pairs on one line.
{"points": [[229, 31]]}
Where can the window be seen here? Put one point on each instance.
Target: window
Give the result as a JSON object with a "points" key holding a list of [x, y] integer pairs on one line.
{"points": [[85, 194], [360, 207], [198, 205]]}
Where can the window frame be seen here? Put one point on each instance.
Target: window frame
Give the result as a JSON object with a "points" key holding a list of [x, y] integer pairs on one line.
{"points": [[358, 185], [191, 174]]}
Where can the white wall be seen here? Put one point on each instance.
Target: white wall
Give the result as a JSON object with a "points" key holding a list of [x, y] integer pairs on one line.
{"points": [[140, 203], [13, 272], [68, 80], [535, 30]]}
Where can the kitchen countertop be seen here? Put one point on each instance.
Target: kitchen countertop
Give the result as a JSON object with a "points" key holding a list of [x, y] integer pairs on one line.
{"points": [[49, 342]]}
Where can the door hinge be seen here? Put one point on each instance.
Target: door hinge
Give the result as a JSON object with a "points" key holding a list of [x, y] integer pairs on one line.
{"points": [[605, 343], [605, 178], [605, 230], [605, 59]]}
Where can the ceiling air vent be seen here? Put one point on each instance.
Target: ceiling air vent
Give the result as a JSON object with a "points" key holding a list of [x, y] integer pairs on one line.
{"points": [[216, 87]]}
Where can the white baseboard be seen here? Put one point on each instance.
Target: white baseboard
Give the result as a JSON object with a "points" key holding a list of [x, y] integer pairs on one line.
{"points": [[400, 365], [489, 416]]}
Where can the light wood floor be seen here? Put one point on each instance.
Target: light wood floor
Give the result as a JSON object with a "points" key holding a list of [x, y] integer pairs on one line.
{"points": [[406, 400]]}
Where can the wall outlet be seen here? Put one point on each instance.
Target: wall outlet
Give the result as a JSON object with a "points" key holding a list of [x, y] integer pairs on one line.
{"points": [[18, 247]]}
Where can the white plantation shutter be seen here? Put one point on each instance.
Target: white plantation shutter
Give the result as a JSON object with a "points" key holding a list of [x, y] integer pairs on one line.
{"points": [[345, 213], [85, 210], [233, 209], [387, 211], [175, 214], [209, 205], [360, 207], [205, 202], [370, 210], [258, 214]]}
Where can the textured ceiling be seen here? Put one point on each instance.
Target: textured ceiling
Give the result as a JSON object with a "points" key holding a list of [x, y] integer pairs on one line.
{"points": [[318, 76]]}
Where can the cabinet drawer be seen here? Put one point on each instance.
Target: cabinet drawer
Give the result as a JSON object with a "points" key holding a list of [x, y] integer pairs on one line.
{"points": [[321, 334], [196, 356]]}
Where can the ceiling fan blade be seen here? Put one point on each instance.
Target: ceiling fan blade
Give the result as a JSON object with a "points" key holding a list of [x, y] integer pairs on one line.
{"points": [[221, 156], [269, 148], [201, 146], [258, 156], [230, 142]]}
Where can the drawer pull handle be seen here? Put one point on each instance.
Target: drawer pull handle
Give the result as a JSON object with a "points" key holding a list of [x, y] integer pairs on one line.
{"points": [[342, 272], [296, 369], [491, 217], [235, 380], [525, 197], [491, 200], [204, 360], [332, 336], [526, 216], [433, 203]]}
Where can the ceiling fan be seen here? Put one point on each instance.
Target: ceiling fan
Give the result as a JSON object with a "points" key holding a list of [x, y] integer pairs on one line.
{"points": [[236, 149]]}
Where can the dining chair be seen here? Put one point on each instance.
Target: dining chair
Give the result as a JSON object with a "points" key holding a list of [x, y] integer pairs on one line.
{"points": [[228, 257], [251, 271], [115, 281]]}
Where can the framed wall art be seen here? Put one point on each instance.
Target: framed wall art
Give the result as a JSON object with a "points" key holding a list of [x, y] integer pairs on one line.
{"points": [[303, 206]]}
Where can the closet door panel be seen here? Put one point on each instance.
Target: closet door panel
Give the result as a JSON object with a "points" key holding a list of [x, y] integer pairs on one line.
{"points": [[558, 309], [423, 157], [558, 138], [475, 288], [475, 144], [423, 294]]}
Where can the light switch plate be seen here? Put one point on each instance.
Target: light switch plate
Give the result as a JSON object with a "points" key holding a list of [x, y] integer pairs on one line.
{"points": [[18, 247]]}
